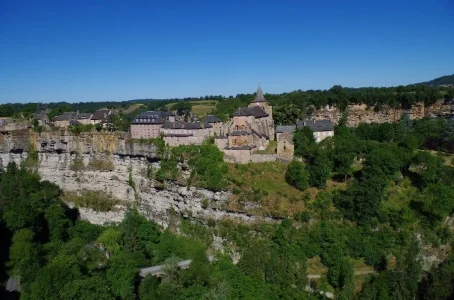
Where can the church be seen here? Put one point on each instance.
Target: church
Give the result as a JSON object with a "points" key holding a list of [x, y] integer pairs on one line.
{"points": [[249, 129]]}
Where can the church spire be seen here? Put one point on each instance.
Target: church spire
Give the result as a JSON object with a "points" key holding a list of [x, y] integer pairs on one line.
{"points": [[259, 97]]}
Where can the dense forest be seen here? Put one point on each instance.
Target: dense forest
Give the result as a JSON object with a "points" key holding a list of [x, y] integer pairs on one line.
{"points": [[395, 191]]}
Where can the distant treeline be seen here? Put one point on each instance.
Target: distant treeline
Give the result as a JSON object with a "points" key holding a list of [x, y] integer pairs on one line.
{"points": [[300, 101]]}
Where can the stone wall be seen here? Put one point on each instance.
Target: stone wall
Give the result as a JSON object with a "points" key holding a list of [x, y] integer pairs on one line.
{"points": [[258, 158], [237, 156]]}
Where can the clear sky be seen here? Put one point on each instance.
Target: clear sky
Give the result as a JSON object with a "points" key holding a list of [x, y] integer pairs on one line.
{"points": [[120, 50]]}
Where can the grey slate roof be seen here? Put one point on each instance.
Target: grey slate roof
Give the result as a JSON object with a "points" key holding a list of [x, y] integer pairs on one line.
{"points": [[83, 116], [67, 116], [185, 125], [152, 117], [240, 132], [100, 114], [285, 128], [211, 119], [316, 125], [255, 111], [259, 96], [74, 123], [40, 116]]}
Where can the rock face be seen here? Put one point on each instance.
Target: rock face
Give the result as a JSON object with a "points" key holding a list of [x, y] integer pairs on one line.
{"points": [[361, 113], [157, 203], [19, 141]]}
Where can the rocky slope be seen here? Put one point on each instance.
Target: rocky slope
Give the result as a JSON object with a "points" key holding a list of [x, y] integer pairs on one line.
{"points": [[67, 161]]}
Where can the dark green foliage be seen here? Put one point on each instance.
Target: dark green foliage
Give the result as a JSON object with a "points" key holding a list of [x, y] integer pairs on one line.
{"points": [[319, 170], [122, 274], [440, 282], [304, 142], [297, 175], [79, 128], [92, 288]]}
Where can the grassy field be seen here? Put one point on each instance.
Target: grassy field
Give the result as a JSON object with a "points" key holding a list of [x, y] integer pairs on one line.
{"points": [[132, 108], [264, 183], [201, 108]]}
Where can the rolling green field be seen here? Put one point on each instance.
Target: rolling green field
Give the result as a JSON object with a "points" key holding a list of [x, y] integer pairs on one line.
{"points": [[201, 108]]}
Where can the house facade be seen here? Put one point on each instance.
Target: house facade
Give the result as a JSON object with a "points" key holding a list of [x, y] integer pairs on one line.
{"points": [[215, 123], [322, 129], [185, 133], [147, 125], [100, 116]]}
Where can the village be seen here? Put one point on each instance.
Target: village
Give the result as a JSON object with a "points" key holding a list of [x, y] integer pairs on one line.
{"points": [[249, 136]]}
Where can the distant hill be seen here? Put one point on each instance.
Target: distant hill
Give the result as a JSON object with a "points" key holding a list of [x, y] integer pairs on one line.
{"points": [[447, 80]]}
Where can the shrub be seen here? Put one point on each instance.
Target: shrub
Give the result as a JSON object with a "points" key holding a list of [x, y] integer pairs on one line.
{"points": [[101, 164], [77, 164], [92, 199], [297, 175]]}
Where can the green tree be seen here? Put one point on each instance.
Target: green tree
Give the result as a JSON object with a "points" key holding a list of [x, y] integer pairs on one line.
{"points": [[319, 170], [297, 175], [304, 142], [92, 288], [122, 274]]}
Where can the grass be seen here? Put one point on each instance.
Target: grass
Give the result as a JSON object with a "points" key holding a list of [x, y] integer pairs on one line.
{"points": [[101, 165], [201, 108], [92, 199], [314, 266], [271, 149], [132, 108], [264, 183]]}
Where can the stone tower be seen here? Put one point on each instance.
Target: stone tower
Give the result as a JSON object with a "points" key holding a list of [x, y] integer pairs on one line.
{"points": [[261, 102]]}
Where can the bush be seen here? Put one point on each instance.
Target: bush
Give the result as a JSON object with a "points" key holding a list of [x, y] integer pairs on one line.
{"points": [[77, 164], [297, 175], [101, 164]]}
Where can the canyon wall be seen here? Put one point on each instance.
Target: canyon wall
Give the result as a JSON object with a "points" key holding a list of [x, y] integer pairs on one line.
{"points": [[361, 113], [57, 158]]}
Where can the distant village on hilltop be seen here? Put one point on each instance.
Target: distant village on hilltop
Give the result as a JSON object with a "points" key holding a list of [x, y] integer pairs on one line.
{"points": [[250, 135]]}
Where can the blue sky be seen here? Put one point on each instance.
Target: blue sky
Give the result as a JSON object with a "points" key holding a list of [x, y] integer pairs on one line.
{"points": [[120, 50]]}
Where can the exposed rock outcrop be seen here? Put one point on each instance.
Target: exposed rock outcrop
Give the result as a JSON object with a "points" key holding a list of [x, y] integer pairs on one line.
{"points": [[156, 203]]}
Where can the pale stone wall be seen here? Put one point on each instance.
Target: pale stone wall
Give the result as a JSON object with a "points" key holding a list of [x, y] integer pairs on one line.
{"points": [[221, 143], [216, 129], [237, 156], [62, 124], [321, 135], [195, 136], [84, 121], [285, 147], [259, 158], [145, 131]]}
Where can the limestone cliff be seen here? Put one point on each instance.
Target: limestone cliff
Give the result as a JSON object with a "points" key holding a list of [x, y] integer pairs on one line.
{"points": [[361, 113], [57, 157]]}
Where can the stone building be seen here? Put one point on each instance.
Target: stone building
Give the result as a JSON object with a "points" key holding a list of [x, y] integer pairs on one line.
{"points": [[285, 146], [215, 123], [147, 125], [185, 133], [63, 121], [250, 128], [41, 118], [280, 129], [100, 116], [84, 118], [321, 128]]}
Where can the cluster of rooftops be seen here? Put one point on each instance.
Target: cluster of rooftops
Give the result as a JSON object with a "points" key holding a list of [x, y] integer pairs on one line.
{"points": [[314, 125], [161, 117]]}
